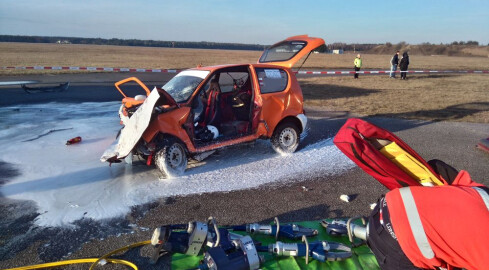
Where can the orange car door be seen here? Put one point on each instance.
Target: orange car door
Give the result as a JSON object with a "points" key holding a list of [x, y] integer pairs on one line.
{"points": [[271, 96]]}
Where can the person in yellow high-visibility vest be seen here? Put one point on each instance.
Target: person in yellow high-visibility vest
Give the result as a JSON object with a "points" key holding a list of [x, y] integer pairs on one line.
{"points": [[358, 65]]}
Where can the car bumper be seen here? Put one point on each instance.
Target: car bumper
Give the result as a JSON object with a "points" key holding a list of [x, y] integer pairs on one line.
{"points": [[303, 119]]}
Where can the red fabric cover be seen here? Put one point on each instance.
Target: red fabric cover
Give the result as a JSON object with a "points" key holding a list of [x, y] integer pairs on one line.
{"points": [[350, 140], [455, 220]]}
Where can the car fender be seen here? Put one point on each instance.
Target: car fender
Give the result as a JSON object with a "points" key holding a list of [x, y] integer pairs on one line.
{"points": [[291, 111], [299, 120], [134, 128], [170, 123]]}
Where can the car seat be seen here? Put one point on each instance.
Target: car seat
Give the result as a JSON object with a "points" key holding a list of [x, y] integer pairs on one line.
{"points": [[212, 110]]}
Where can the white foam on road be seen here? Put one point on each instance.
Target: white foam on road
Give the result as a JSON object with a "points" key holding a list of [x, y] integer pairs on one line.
{"points": [[69, 182]]}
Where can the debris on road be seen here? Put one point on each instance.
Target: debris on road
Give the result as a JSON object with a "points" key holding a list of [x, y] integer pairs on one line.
{"points": [[73, 140], [484, 145], [61, 87], [345, 198], [372, 206]]}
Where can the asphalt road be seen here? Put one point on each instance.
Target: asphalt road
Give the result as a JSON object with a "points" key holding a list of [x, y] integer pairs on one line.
{"points": [[84, 87], [23, 244], [87, 87]]}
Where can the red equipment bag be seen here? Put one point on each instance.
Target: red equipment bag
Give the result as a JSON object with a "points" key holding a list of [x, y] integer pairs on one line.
{"points": [[356, 139]]}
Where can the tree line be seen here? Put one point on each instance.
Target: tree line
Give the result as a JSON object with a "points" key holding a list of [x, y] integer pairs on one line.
{"points": [[132, 42], [365, 47], [369, 46]]}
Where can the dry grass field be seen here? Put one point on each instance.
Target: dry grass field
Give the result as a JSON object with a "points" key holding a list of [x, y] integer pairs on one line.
{"points": [[29, 54], [449, 97], [428, 97]]}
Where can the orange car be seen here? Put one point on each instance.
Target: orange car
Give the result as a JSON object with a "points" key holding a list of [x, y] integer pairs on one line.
{"points": [[206, 108]]}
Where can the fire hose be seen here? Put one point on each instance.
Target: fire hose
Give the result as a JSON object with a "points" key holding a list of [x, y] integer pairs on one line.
{"points": [[223, 249], [94, 261]]}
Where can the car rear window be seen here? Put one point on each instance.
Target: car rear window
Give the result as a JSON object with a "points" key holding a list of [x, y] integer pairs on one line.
{"points": [[272, 80], [282, 51]]}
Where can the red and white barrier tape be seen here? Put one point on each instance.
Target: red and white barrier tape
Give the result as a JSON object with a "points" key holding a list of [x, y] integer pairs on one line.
{"points": [[96, 69], [388, 72], [110, 69]]}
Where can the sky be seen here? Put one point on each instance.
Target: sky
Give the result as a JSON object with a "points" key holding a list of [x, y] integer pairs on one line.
{"points": [[251, 21]]}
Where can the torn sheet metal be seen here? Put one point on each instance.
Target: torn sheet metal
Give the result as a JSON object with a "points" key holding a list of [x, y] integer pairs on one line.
{"points": [[133, 130]]}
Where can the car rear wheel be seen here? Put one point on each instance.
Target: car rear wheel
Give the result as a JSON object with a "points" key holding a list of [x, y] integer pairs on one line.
{"points": [[172, 158], [285, 138]]}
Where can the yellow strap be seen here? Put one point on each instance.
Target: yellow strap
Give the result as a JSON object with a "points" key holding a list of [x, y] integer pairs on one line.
{"points": [[410, 165]]}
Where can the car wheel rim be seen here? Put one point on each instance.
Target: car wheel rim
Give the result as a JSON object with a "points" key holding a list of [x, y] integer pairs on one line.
{"points": [[175, 156], [288, 138]]}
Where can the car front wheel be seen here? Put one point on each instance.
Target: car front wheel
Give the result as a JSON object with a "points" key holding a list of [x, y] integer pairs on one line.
{"points": [[285, 138], [171, 159]]}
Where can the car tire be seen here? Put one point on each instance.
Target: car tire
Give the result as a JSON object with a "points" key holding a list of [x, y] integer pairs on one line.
{"points": [[171, 159], [285, 138]]}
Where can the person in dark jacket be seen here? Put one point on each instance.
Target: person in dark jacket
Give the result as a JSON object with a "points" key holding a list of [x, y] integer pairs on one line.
{"points": [[403, 65], [394, 64]]}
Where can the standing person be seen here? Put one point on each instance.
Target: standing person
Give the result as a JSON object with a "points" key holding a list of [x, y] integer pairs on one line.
{"points": [[358, 65], [394, 64], [403, 65]]}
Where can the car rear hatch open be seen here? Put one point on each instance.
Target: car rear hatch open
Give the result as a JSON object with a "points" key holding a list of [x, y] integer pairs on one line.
{"points": [[287, 52]]}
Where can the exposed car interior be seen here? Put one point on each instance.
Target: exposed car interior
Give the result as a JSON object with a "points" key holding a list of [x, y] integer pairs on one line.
{"points": [[224, 102]]}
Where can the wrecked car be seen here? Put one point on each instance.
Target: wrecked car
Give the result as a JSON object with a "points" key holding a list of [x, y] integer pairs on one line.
{"points": [[206, 108]]}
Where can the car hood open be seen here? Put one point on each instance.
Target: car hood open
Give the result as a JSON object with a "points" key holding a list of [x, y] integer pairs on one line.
{"points": [[287, 52]]}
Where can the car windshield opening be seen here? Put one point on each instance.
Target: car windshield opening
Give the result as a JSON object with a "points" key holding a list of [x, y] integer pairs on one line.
{"points": [[181, 87]]}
